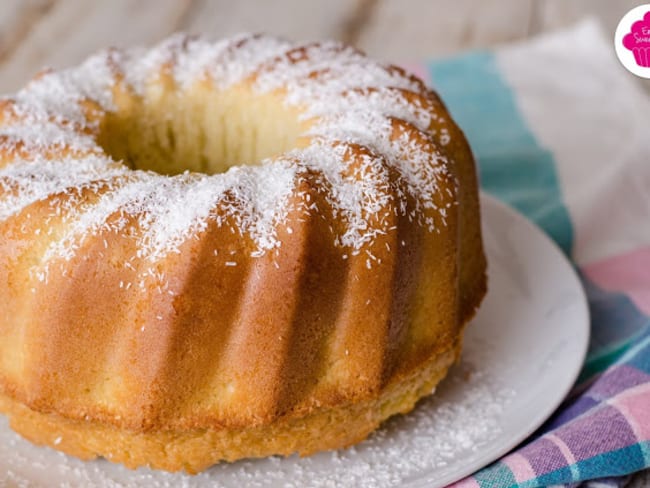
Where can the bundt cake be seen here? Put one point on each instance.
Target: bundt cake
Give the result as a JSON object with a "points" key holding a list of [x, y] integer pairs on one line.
{"points": [[218, 250]]}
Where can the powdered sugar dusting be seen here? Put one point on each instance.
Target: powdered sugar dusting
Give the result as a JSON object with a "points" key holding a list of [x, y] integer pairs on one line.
{"points": [[351, 98]]}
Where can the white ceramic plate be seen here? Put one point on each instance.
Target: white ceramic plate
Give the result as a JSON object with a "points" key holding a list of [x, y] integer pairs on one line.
{"points": [[522, 354]]}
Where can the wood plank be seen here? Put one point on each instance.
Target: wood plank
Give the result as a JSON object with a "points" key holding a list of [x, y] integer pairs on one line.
{"points": [[420, 29], [16, 19], [313, 20], [73, 29], [555, 14]]}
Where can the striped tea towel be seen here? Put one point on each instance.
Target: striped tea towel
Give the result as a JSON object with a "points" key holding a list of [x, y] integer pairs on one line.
{"points": [[562, 134]]}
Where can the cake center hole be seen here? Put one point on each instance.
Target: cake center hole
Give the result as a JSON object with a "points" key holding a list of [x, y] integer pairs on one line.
{"points": [[201, 130]]}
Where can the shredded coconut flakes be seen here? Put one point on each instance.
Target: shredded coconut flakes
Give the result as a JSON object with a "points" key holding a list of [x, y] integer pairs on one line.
{"points": [[351, 98]]}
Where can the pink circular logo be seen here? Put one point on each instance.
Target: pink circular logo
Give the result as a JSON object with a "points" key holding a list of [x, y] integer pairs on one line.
{"points": [[638, 41], [632, 41]]}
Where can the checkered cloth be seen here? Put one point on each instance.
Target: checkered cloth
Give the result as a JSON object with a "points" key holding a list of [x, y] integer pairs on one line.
{"points": [[562, 134]]}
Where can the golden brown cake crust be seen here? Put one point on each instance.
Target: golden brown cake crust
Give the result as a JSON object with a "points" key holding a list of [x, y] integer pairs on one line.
{"points": [[196, 450], [172, 318]]}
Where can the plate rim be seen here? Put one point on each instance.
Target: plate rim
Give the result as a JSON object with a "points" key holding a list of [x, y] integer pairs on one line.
{"points": [[479, 462]]}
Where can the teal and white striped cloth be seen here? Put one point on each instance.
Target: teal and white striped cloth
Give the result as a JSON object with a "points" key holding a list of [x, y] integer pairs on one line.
{"points": [[562, 134]]}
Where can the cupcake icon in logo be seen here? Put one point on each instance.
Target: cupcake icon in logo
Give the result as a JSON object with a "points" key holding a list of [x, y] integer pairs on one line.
{"points": [[632, 41], [638, 41]]}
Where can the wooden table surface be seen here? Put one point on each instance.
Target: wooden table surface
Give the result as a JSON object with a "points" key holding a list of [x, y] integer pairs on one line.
{"points": [[58, 33]]}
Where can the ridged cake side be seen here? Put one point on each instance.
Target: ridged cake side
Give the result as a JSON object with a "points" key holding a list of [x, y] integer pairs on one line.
{"points": [[331, 281]]}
